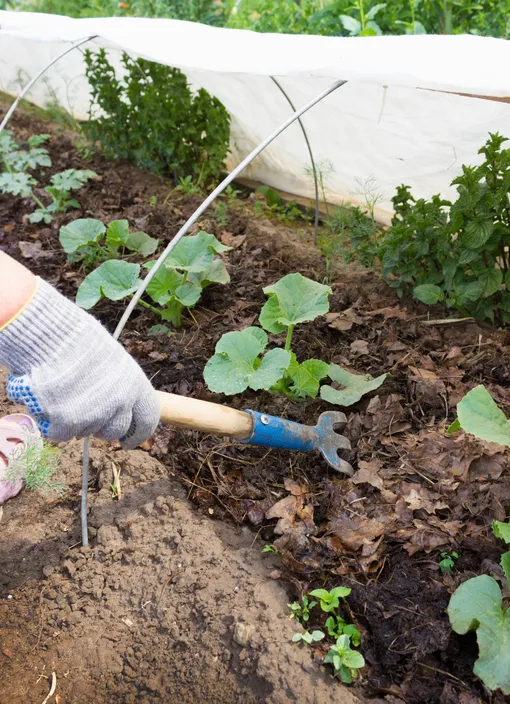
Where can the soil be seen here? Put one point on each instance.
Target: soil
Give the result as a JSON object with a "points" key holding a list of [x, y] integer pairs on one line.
{"points": [[174, 601]]}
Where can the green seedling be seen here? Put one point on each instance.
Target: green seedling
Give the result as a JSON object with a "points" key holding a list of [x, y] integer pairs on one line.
{"points": [[178, 284], [90, 241], [346, 662], [307, 637], [241, 361], [301, 612], [336, 627], [221, 214], [477, 605], [447, 562], [153, 200], [37, 465], [285, 211], [479, 415], [17, 182], [330, 600], [189, 188], [238, 362], [270, 548], [231, 194]]}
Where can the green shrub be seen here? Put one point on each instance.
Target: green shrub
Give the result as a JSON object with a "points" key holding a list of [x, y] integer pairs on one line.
{"points": [[151, 118], [456, 253]]}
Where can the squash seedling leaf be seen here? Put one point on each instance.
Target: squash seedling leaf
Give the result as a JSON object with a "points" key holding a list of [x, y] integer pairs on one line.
{"points": [[477, 605], [354, 386], [292, 300], [479, 415], [114, 279]]}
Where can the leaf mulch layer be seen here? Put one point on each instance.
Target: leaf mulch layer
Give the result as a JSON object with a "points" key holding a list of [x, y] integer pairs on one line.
{"points": [[416, 492]]}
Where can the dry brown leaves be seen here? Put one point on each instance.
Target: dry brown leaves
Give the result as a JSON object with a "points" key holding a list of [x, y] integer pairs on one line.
{"points": [[294, 511]]}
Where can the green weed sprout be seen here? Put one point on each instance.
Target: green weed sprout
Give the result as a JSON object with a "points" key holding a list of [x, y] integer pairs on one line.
{"points": [[37, 465], [301, 612], [329, 601], [270, 548], [447, 563], [336, 627], [308, 637], [346, 662]]}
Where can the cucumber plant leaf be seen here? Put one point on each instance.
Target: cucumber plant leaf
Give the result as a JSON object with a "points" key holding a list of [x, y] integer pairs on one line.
{"points": [[72, 179], [195, 253], [501, 530], [236, 364], [162, 285], [479, 415], [505, 564], [117, 234], [292, 300], [81, 233], [354, 386], [216, 274], [306, 376], [17, 184], [141, 243], [114, 279], [477, 605], [188, 294]]}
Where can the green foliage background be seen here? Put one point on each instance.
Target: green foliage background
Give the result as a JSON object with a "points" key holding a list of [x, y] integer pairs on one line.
{"points": [[485, 17]]}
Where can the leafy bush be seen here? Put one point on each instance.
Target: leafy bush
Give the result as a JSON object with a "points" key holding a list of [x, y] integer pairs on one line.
{"points": [[456, 253], [151, 118], [17, 182], [177, 285], [239, 361]]}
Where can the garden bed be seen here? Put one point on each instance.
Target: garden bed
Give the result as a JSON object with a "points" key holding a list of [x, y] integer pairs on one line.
{"points": [[416, 492]]}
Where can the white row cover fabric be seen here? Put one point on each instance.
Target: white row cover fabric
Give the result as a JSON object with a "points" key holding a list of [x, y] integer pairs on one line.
{"points": [[399, 119]]}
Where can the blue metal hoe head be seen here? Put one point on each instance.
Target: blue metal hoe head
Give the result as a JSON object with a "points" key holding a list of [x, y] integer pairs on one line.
{"points": [[271, 431], [329, 441]]}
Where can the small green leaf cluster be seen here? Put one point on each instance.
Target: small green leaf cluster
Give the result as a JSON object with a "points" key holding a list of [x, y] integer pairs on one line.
{"points": [[447, 562], [241, 361], [15, 179], [273, 204], [477, 605], [178, 284], [152, 118], [455, 252], [301, 611], [479, 415], [90, 241], [345, 661]]}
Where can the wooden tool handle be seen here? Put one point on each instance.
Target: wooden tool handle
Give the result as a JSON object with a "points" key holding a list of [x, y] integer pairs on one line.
{"points": [[185, 412]]}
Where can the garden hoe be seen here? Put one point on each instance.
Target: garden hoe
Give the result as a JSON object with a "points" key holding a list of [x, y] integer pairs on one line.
{"points": [[256, 428], [249, 427]]}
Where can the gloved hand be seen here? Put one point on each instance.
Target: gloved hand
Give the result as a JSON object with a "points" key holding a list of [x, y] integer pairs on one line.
{"points": [[74, 378]]}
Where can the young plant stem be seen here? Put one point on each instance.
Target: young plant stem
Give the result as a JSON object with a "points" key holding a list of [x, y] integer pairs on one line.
{"points": [[149, 307], [288, 341], [38, 202], [362, 15]]}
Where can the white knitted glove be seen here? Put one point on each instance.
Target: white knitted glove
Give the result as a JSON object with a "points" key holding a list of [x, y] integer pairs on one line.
{"points": [[75, 379]]}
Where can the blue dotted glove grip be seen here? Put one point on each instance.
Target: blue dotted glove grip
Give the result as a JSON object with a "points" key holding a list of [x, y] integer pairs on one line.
{"points": [[20, 391]]}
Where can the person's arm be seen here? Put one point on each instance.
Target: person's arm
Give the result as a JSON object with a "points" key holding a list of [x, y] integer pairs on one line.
{"points": [[74, 378], [17, 286]]}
